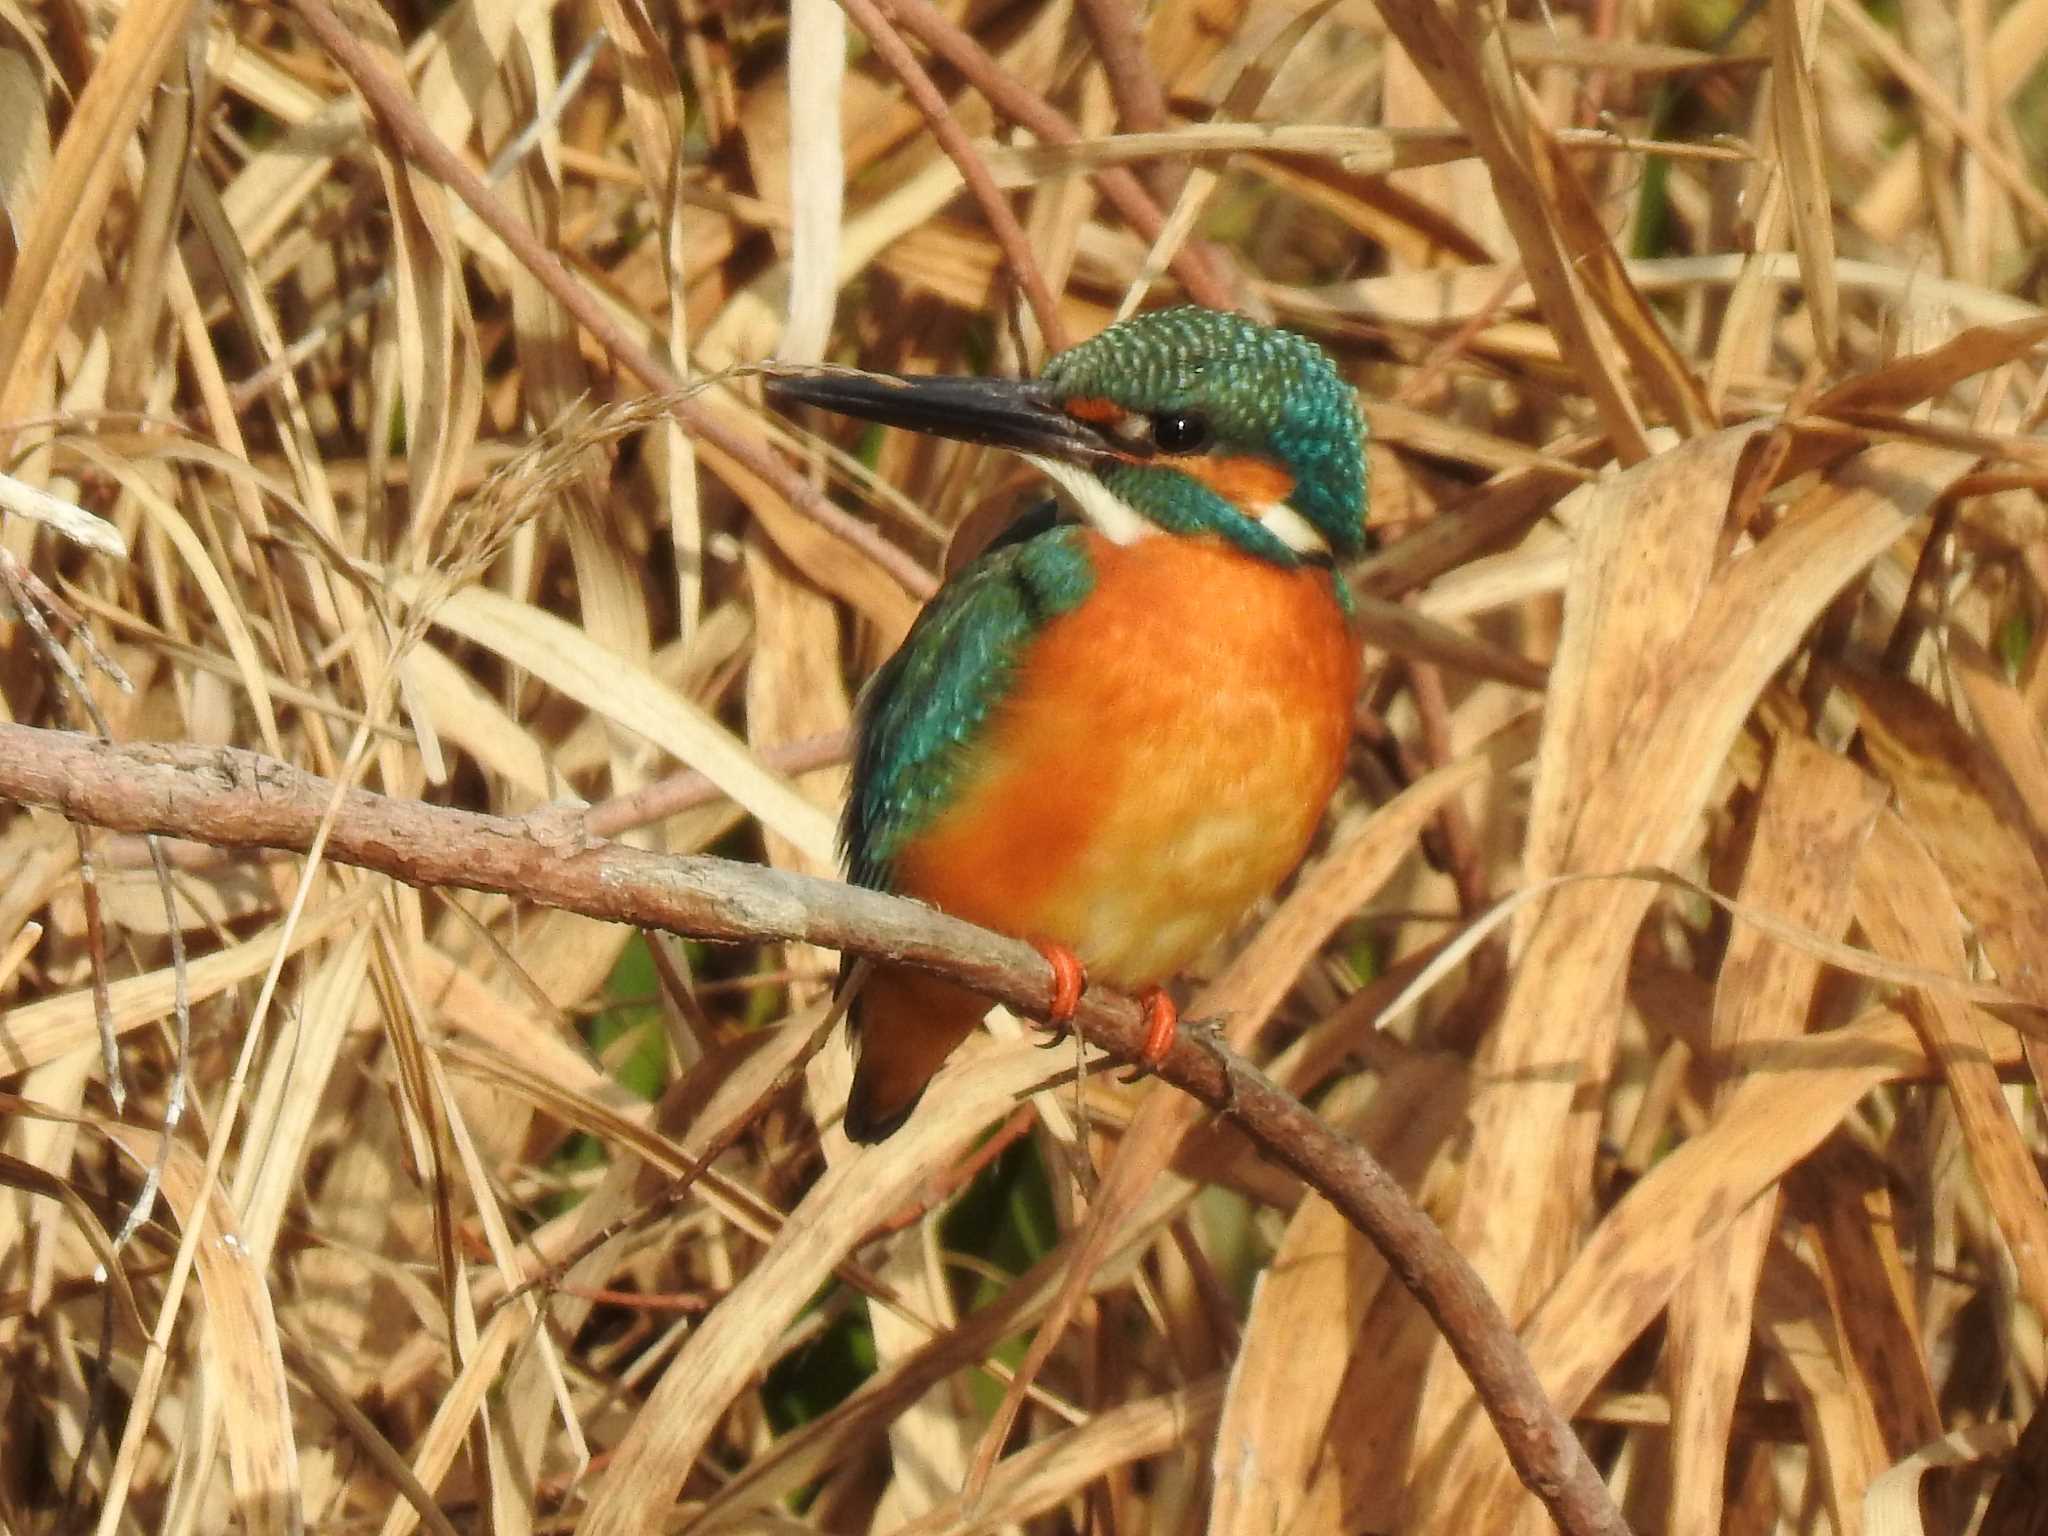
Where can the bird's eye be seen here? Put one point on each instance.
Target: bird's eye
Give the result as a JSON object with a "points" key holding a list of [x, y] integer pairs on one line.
{"points": [[1180, 432]]}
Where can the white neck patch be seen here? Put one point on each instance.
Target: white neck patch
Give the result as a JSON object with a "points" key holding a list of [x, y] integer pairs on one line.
{"points": [[1292, 529], [1110, 515]]}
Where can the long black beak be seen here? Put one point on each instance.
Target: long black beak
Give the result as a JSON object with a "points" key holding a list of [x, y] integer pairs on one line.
{"points": [[1022, 415]]}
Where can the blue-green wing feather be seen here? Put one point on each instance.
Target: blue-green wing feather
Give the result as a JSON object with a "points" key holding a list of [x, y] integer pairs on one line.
{"points": [[925, 706]]}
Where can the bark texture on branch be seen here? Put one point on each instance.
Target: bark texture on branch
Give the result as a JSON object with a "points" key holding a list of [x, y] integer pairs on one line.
{"points": [[233, 798]]}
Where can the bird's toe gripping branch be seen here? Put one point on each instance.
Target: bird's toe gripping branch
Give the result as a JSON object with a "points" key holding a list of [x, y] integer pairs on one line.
{"points": [[1069, 981], [1162, 1023]]}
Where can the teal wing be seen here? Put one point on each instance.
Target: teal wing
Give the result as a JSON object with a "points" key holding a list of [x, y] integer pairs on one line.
{"points": [[925, 705]]}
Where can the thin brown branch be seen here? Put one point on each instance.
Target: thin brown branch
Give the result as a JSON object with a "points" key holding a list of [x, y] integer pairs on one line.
{"points": [[96, 958], [687, 788], [1022, 105], [401, 116], [235, 798], [1002, 219], [670, 795], [1453, 825], [1133, 84], [1120, 45]]}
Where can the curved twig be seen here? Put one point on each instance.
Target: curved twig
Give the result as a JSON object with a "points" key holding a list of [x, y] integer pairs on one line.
{"points": [[1002, 219], [1021, 104]]}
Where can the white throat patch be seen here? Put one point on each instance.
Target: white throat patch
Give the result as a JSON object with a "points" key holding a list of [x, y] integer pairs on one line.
{"points": [[1108, 513]]}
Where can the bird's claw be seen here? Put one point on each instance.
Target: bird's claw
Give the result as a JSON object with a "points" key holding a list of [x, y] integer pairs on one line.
{"points": [[1069, 981], [1162, 1023]]}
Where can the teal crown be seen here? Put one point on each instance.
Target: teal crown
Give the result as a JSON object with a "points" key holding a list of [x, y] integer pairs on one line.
{"points": [[1262, 392]]}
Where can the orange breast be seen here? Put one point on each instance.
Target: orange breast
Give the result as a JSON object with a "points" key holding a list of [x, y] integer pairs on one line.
{"points": [[1159, 765]]}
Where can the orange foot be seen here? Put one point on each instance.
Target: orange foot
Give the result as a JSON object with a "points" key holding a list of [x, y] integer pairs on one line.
{"points": [[1162, 1023], [1069, 981]]}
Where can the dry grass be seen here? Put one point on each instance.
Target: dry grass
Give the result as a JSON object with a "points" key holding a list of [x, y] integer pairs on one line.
{"points": [[1709, 481]]}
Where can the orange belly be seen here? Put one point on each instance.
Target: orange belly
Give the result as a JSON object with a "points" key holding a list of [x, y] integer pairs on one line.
{"points": [[1160, 763]]}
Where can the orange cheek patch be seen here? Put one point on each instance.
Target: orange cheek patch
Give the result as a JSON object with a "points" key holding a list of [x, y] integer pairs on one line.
{"points": [[1096, 409], [1245, 482]]}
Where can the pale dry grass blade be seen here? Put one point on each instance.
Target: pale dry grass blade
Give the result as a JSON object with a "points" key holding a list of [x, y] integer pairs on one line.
{"points": [[48, 271], [471, 720], [1667, 377], [284, 1118], [1358, 1481], [1473, 75], [16, 950], [1794, 1093], [613, 606], [438, 368], [792, 693], [1361, 150], [545, 1386], [1908, 380], [817, 175], [2018, 40], [1843, 1204], [1063, 1465], [1815, 814], [1914, 76], [335, 603], [1428, 432], [1306, 1320], [1797, 118], [32, 1033], [2018, 773], [851, 1199], [1531, 1149], [1892, 1506], [1979, 824], [43, 1133], [1645, 543], [656, 117], [1462, 294], [28, 1176], [843, 572], [621, 691], [73, 522], [242, 1343], [802, 1456], [1405, 631], [437, 1448], [611, 598], [1645, 547], [26, 75], [1911, 915], [1794, 1322], [177, 531], [468, 1002]]}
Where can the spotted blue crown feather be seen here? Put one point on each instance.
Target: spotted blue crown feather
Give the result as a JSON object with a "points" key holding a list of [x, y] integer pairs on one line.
{"points": [[1264, 392]]}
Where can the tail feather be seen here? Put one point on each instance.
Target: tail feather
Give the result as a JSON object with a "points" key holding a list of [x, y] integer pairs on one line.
{"points": [[905, 1024]]}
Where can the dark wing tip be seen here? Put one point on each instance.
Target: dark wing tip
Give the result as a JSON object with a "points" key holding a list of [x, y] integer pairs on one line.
{"points": [[864, 1132]]}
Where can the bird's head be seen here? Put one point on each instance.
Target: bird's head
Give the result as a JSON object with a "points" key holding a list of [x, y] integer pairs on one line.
{"points": [[1188, 421]]}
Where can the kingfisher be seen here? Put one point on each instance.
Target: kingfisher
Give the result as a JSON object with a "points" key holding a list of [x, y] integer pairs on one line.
{"points": [[1116, 729]]}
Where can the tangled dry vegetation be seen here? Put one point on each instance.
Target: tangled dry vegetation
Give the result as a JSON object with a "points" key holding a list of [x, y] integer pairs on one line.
{"points": [[1706, 379]]}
